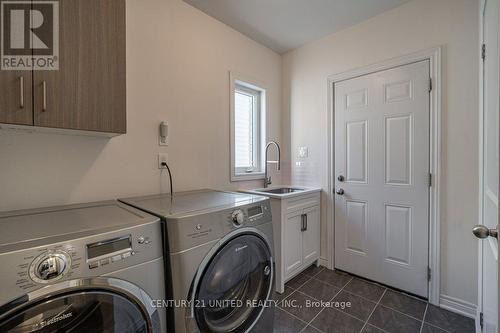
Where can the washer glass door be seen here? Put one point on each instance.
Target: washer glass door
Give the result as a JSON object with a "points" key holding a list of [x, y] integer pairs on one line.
{"points": [[81, 311], [234, 286]]}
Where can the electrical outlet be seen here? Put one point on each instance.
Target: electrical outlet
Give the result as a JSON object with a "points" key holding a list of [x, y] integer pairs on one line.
{"points": [[162, 157]]}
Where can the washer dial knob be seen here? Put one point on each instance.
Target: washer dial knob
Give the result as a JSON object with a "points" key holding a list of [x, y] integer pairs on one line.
{"points": [[49, 267], [238, 217]]}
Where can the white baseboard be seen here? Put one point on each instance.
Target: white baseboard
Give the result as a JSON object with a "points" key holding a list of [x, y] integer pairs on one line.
{"points": [[323, 262], [459, 306]]}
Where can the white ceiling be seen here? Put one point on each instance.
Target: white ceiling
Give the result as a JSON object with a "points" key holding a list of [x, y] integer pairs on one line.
{"points": [[283, 25]]}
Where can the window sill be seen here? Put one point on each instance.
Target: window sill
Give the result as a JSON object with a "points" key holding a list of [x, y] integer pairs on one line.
{"points": [[239, 177]]}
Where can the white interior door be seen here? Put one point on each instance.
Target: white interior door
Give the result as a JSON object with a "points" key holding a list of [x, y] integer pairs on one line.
{"points": [[488, 276], [382, 170]]}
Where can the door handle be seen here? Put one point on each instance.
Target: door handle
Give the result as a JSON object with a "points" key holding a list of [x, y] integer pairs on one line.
{"points": [[482, 232], [340, 191], [21, 92], [340, 178], [44, 100]]}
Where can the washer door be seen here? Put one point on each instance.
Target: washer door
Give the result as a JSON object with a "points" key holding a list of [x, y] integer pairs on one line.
{"points": [[235, 285], [83, 310]]}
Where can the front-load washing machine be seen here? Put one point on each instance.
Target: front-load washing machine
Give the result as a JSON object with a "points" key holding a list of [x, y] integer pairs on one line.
{"points": [[81, 268], [220, 257]]}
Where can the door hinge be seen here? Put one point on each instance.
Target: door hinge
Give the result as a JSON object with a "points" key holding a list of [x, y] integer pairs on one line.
{"points": [[430, 179], [429, 274], [483, 51], [481, 320], [430, 84]]}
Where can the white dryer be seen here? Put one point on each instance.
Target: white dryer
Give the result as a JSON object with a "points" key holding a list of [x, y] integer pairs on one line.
{"points": [[81, 268], [220, 257]]}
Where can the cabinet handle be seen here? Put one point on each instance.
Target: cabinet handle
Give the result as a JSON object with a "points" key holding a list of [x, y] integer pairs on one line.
{"points": [[21, 92], [303, 222], [44, 101]]}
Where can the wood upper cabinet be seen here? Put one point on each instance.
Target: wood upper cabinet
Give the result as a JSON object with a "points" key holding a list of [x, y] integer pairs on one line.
{"points": [[15, 97], [88, 92]]}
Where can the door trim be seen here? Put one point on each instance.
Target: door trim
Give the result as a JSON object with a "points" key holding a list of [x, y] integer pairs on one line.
{"points": [[434, 57], [479, 309]]}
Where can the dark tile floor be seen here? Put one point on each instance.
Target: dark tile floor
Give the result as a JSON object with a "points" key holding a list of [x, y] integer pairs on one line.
{"points": [[374, 308]]}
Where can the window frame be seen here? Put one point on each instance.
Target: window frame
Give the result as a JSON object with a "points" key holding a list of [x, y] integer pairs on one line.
{"points": [[256, 144], [258, 90]]}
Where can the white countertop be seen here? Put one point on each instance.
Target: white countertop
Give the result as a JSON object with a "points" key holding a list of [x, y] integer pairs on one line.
{"points": [[304, 190]]}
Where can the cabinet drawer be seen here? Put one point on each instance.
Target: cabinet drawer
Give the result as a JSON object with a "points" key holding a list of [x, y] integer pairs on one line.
{"points": [[301, 202]]}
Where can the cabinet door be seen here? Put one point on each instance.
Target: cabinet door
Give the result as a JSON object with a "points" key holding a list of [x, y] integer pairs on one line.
{"points": [[88, 92], [15, 97], [292, 242], [311, 236]]}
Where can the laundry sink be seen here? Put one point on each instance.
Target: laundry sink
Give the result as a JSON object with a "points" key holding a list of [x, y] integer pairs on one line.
{"points": [[281, 190]]}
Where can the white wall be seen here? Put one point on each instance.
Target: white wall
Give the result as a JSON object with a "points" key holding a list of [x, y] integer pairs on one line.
{"points": [[178, 62], [412, 27]]}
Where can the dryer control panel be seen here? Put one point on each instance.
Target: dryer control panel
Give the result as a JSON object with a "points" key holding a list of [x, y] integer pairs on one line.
{"points": [[196, 229], [251, 215], [248, 215]]}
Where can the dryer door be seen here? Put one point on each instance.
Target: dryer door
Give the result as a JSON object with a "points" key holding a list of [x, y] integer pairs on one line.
{"points": [[234, 286], [82, 310]]}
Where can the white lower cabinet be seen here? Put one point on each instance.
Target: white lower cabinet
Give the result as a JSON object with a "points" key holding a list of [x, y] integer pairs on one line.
{"points": [[292, 255], [311, 235], [301, 241], [296, 223]]}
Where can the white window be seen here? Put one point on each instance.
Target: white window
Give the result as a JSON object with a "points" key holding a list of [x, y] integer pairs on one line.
{"points": [[247, 128]]}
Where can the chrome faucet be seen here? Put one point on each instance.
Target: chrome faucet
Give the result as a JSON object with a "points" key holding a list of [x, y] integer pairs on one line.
{"points": [[267, 180]]}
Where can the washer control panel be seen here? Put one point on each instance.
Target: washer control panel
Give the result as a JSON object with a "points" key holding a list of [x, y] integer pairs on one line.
{"points": [[108, 251], [87, 256]]}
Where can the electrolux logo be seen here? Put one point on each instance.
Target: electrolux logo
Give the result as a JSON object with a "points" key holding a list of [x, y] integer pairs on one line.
{"points": [[29, 35], [238, 249], [52, 320]]}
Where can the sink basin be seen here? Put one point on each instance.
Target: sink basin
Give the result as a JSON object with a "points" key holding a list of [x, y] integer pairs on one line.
{"points": [[281, 190]]}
